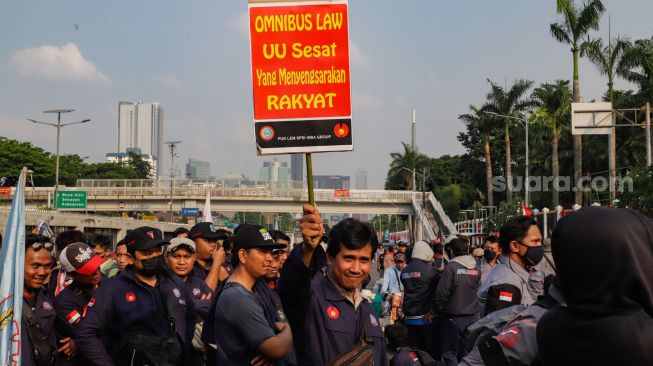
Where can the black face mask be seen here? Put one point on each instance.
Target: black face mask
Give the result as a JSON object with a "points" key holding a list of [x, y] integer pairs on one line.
{"points": [[153, 266], [533, 255], [489, 254]]}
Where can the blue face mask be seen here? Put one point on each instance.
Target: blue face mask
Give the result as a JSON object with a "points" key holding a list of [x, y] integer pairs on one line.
{"points": [[533, 255]]}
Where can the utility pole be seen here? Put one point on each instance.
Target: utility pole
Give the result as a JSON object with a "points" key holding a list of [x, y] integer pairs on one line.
{"points": [[172, 145], [58, 126], [648, 134], [413, 146]]}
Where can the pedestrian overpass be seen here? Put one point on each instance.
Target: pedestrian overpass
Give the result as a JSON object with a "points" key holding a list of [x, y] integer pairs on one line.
{"points": [[163, 196]]}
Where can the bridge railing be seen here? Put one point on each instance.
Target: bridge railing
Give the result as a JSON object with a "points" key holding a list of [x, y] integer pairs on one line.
{"points": [[200, 191]]}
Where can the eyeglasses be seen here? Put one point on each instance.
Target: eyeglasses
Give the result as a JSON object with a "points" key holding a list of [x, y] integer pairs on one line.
{"points": [[37, 246]]}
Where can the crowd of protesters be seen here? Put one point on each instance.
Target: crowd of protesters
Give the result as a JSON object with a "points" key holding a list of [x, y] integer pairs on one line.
{"points": [[209, 296]]}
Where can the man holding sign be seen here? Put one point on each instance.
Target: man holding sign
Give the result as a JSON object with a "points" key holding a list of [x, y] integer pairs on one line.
{"points": [[333, 321]]}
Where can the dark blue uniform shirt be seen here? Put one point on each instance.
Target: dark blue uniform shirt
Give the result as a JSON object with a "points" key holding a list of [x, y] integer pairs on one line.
{"points": [[327, 322], [72, 304], [45, 316], [127, 306]]}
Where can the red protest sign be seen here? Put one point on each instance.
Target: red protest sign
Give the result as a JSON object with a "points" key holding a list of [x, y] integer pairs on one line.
{"points": [[5, 191], [341, 193], [300, 76]]}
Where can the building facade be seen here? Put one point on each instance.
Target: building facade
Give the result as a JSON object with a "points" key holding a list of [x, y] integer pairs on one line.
{"points": [[331, 182], [297, 167], [274, 171], [140, 126], [360, 179], [123, 157], [198, 169]]}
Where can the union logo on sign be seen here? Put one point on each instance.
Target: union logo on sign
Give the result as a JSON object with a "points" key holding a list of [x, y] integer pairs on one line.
{"points": [[266, 133]]}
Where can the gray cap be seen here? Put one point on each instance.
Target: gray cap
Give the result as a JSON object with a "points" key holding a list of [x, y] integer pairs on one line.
{"points": [[176, 242]]}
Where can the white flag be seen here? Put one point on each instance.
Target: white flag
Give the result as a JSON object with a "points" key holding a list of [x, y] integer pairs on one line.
{"points": [[207, 208]]}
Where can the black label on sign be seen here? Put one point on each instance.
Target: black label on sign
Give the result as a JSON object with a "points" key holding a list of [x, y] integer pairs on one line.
{"points": [[304, 133]]}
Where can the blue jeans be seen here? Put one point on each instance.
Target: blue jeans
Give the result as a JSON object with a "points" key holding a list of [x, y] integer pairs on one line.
{"points": [[453, 328]]}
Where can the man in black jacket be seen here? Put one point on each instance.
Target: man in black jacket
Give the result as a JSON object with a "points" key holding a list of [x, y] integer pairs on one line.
{"points": [[456, 300], [420, 280]]}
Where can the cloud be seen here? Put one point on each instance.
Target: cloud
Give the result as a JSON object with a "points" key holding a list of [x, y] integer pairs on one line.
{"points": [[169, 81], [57, 63], [356, 55], [241, 23]]}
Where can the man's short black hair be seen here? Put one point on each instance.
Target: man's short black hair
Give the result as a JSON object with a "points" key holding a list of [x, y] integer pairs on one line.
{"points": [[491, 239], [277, 234], [101, 240], [352, 234], [397, 335], [35, 238], [180, 230], [68, 237], [514, 229]]}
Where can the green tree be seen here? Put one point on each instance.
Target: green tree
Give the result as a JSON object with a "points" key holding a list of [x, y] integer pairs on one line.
{"points": [[553, 103], [640, 197], [481, 122], [508, 103], [399, 175], [140, 166], [576, 24], [15, 154]]}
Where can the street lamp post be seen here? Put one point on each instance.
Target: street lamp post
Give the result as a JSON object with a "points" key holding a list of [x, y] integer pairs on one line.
{"points": [[524, 123], [173, 154], [58, 126], [424, 178]]}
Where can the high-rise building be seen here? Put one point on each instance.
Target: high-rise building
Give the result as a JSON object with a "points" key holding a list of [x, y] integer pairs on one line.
{"points": [[198, 169], [331, 182], [297, 167], [140, 125], [360, 179], [274, 171]]}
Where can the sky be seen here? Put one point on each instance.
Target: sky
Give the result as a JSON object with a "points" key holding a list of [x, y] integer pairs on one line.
{"points": [[193, 58]]}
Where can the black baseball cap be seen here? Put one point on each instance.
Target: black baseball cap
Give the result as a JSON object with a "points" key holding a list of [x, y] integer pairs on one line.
{"points": [[254, 236], [207, 230], [144, 238]]}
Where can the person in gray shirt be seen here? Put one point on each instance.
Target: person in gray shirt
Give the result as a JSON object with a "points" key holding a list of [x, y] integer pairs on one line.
{"points": [[244, 335]]}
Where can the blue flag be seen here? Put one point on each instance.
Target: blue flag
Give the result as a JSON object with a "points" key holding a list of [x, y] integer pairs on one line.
{"points": [[12, 262]]}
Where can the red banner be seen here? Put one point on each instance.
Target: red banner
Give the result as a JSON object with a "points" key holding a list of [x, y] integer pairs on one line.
{"points": [[341, 193], [300, 75], [5, 191]]}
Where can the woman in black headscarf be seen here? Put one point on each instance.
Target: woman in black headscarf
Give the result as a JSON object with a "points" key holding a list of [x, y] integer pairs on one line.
{"points": [[605, 273]]}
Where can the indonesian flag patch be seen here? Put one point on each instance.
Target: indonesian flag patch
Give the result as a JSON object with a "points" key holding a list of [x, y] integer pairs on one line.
{"points": [[505, 296], [73, 317]]}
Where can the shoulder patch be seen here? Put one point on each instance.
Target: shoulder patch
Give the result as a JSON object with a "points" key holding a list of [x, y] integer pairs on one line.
{"points": [[130, 297], [373, 320]]}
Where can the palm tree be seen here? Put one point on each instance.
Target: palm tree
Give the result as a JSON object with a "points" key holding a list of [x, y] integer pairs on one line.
{"points": [[553, 105], [399, 175], [481, 122], [508, 103], [609, 60], [637, 66], [576, 24]]}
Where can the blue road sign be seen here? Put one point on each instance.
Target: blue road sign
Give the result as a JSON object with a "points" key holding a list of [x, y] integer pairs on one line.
{"points": [[190, 211]]}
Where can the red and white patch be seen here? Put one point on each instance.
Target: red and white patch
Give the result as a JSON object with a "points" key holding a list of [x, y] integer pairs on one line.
{"points": [[91, 302], [130, 297], [509, 338], [150, 234], [505, 296], [73, 317], [333, 312]]}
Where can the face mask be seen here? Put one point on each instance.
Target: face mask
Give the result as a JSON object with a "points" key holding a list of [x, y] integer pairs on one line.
{"points": [[533, 255], [489, 254], [153, 266], [438, 263]]}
